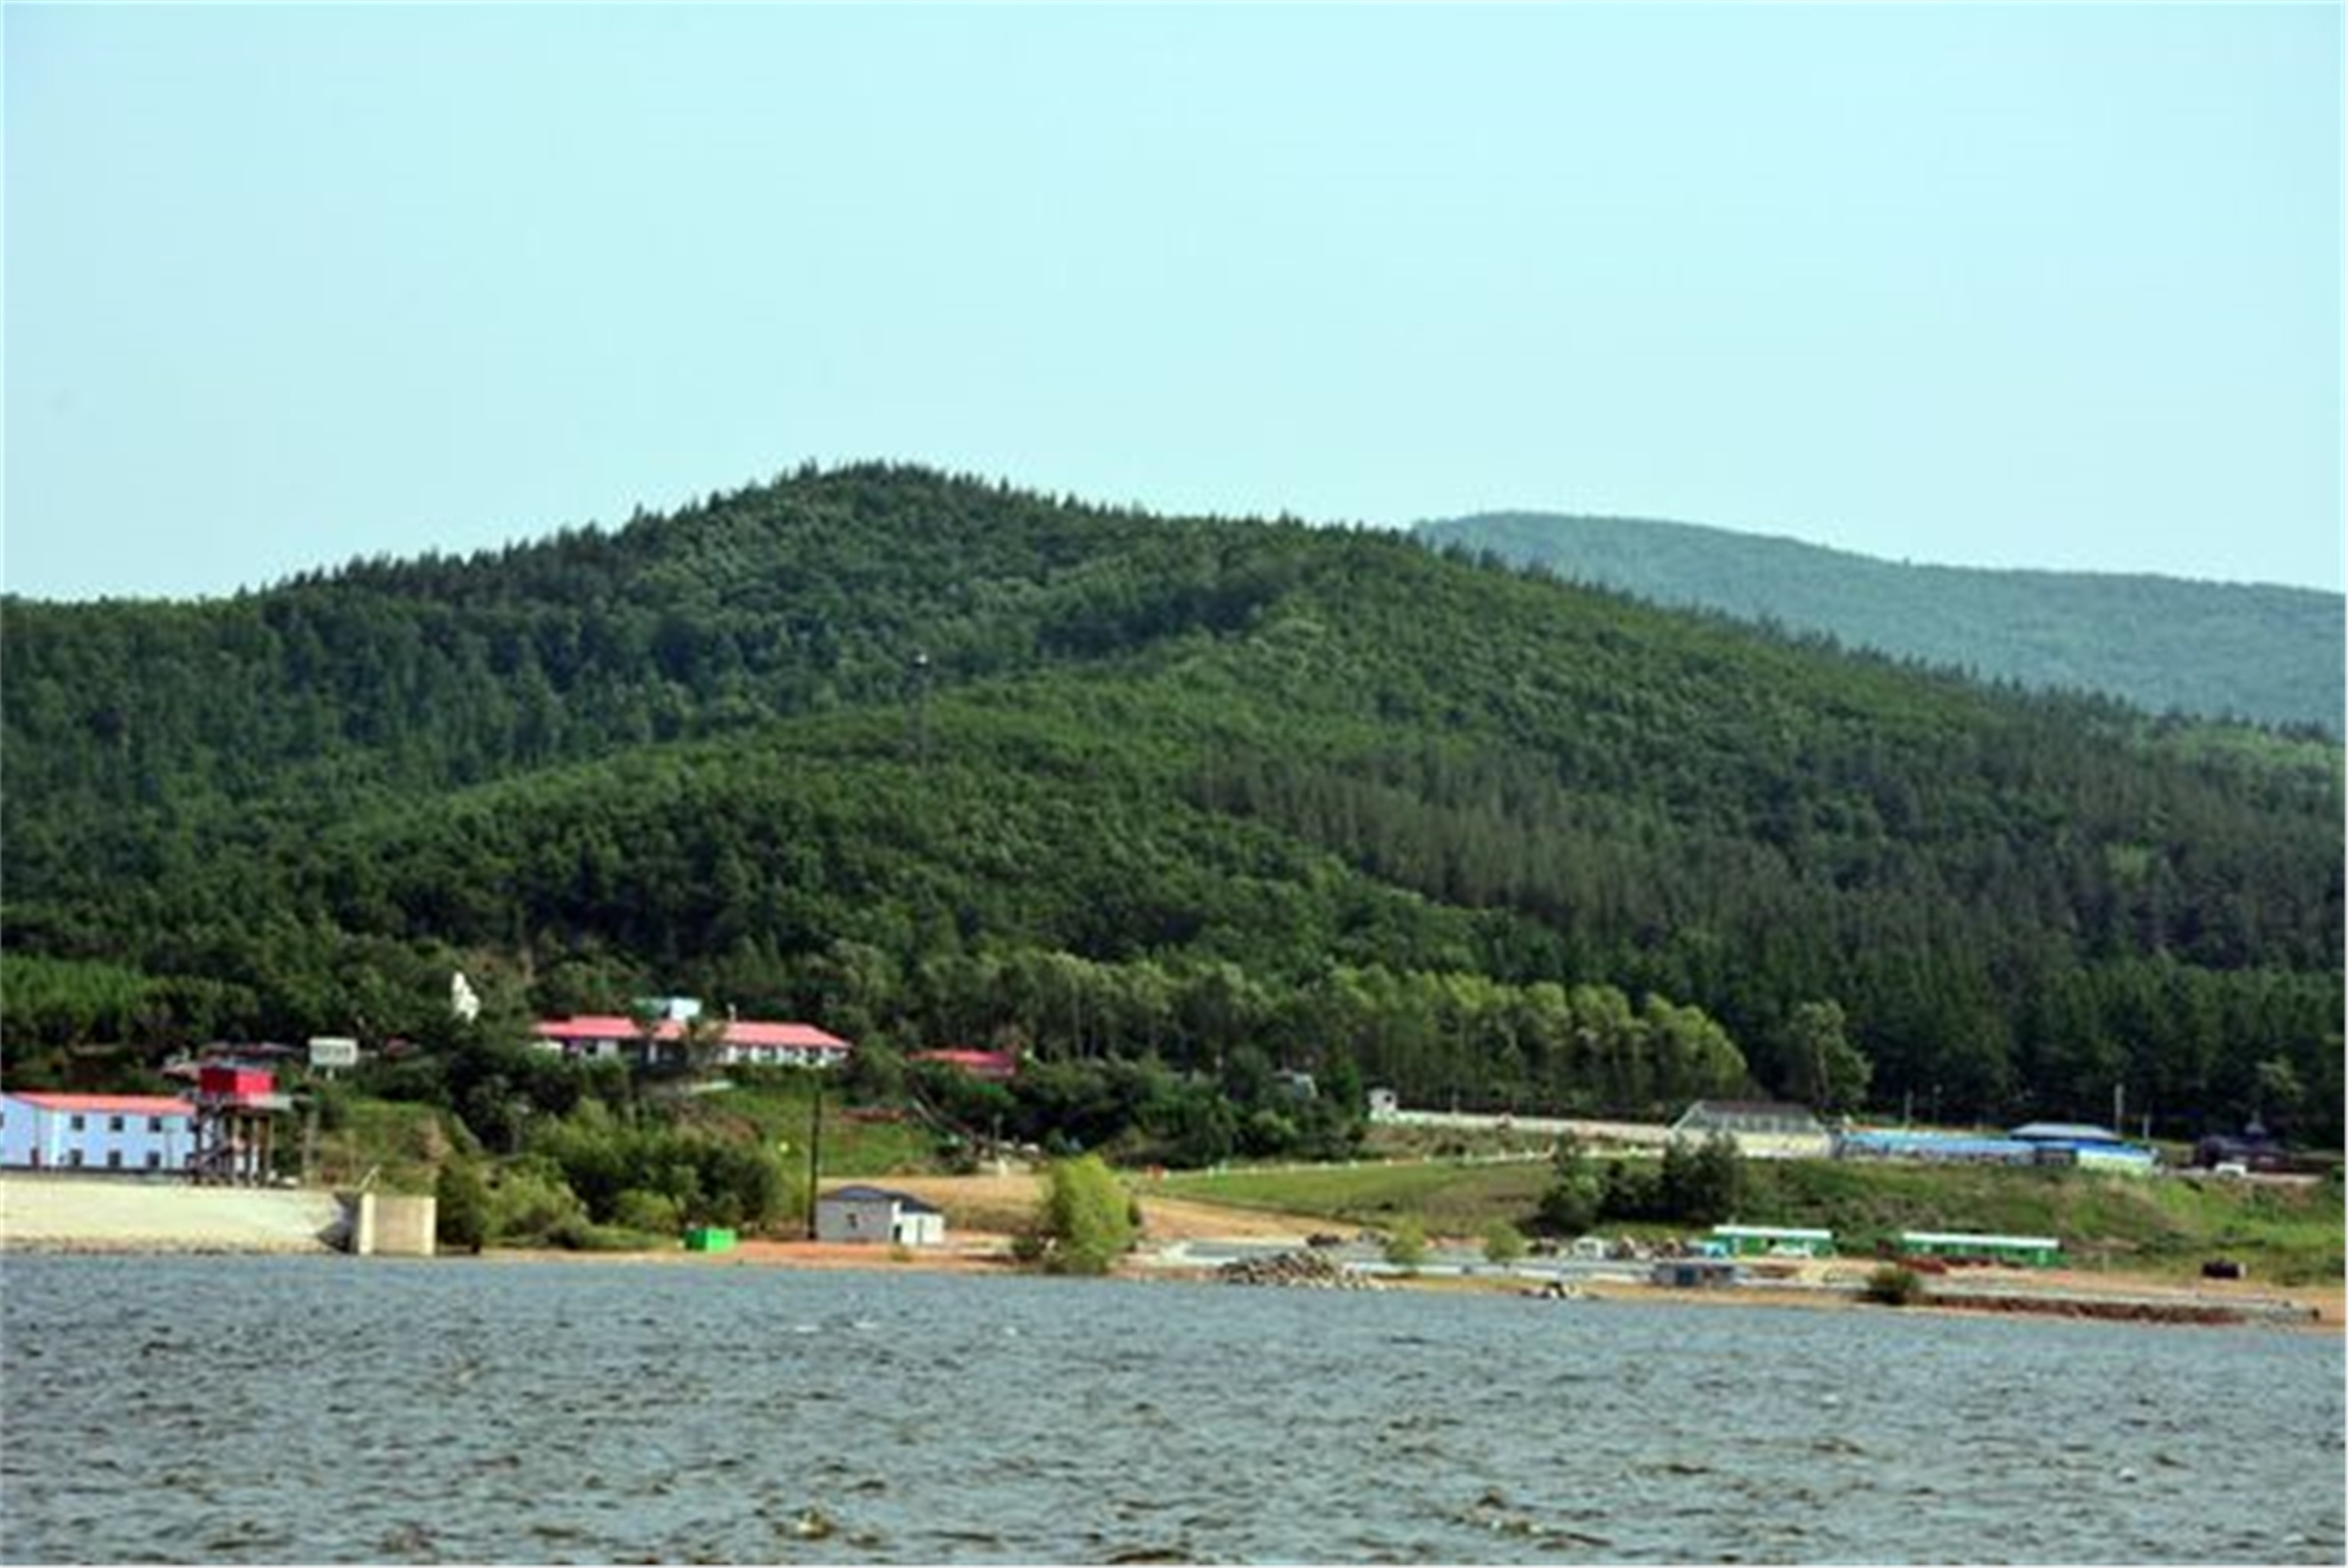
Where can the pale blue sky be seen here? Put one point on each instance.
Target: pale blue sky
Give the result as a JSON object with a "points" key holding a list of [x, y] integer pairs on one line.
{"points": [[2000, 285]]}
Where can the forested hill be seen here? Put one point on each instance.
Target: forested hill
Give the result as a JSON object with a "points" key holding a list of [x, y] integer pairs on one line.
{"points": [[934, 762], [2272, 655]]}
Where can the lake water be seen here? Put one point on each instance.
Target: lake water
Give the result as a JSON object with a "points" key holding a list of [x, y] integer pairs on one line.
{"points": [[334, 1409]]}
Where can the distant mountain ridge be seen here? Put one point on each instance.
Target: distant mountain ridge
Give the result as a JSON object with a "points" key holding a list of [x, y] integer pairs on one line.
{"points": [[2220, 650]]}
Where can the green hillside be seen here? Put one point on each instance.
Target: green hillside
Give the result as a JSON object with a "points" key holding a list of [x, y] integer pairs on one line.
{"points": [[2271, 654], [933, 761]]}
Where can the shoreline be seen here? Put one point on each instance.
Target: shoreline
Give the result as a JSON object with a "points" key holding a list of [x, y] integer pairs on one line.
{"points": [[123, 1220], [2132, 1300], [2129, 1298]]}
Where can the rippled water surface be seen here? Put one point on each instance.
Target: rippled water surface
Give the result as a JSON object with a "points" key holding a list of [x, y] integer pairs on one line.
{"points": [[325, 1409]]}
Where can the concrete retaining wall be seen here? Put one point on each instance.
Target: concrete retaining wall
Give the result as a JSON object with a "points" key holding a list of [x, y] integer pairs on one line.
{"points": [[386, 1225], [98, 1215]]}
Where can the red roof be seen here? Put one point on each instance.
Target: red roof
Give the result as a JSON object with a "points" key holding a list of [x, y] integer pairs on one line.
{"points": [[598, 1027], [979, 1064], [109, 1104], [738, 1033], [802, 1035]]}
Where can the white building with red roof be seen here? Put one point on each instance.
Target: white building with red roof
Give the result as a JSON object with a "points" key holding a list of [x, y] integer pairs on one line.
{"points": [[139, 1133], [738, 1042]]}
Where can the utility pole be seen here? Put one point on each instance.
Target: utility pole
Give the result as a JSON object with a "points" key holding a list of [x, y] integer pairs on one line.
{"points": [[815, 1151]]}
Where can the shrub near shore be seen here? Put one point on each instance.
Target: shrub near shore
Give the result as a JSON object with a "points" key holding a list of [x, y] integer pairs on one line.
{"points": [[1085, 1222]]}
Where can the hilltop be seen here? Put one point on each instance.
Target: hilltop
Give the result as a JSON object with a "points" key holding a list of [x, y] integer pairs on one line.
{"points": [[2217, 650], [942, 762]]}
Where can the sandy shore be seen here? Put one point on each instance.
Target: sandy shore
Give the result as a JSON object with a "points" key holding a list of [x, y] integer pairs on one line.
{"points": [[2053, 1292]]}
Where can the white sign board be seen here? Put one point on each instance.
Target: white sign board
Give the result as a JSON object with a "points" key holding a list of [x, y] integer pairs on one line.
{"points": [[333, 1051], [462, 999]]}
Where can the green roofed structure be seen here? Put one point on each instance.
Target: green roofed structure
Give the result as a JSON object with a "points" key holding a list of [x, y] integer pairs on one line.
{"points": [[1781, 1241], [2036, 1251]]}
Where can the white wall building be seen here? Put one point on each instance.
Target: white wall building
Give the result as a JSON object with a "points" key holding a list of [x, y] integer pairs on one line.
{"points": [[876, 1215], [132, 1133], [736, 1042], [1762, 1130]]}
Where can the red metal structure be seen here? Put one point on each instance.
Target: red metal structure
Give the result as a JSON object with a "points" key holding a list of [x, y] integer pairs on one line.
{"points": [[236, 1123]]}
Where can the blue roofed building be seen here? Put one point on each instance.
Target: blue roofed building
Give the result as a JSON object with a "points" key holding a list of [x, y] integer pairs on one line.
{"points": [[2088, 1146]]}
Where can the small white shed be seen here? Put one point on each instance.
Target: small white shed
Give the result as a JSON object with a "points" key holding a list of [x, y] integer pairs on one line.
{"points": [[876, 1215]]}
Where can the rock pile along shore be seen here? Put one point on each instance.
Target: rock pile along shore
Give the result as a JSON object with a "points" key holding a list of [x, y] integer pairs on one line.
{"points": [[2126, 1310], [1305, 1271]]}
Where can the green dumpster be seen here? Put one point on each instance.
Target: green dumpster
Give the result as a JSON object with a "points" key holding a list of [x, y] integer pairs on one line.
{"points": [[708, 1239]]}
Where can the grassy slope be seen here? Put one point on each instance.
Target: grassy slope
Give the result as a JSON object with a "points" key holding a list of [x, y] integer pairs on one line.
{"points": [[1448, 1199], [400, 1145], [780, 1115]]}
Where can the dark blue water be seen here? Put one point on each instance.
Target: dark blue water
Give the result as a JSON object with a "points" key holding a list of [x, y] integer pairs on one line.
{"points": [[332, 1409]]}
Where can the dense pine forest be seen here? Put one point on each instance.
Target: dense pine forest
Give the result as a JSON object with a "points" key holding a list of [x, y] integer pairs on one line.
{"points": [[936, 762], [2217, 650]]}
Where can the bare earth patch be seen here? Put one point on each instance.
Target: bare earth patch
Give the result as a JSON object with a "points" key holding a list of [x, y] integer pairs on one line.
{"points": [[1001, 1203]]}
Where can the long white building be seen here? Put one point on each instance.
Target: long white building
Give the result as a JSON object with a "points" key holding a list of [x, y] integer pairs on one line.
{"points": [[738, 1042], [133, 1133]]}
